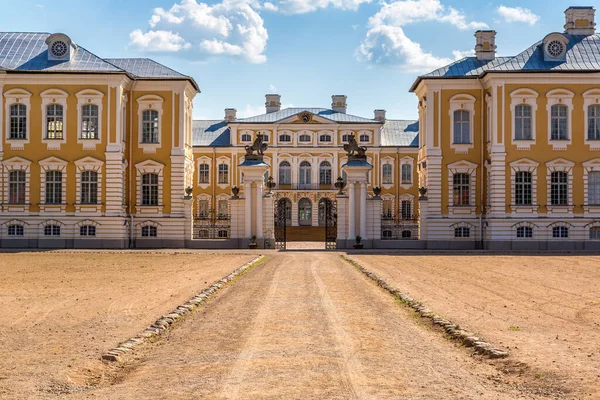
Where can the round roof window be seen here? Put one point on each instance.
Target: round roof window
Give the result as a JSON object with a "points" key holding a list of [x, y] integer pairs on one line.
{"points": [[555, 49], [59, 49]]}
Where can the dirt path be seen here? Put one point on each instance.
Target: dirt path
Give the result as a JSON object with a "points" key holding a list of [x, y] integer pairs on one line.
{"points": [[306, 326]]}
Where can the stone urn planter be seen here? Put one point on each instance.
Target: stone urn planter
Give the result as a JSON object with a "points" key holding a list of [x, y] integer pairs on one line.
{"points": [[358, 244], [253, 244]]}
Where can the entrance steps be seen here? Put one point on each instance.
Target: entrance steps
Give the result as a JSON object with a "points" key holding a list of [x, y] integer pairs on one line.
{"points": [[305, 233]]}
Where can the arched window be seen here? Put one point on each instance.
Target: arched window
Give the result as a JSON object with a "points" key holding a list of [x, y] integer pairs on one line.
{"points": [[593, 132], [462, 127], [364, 138], [523, 122], [560, 232], [559, 188], [304, 138], [462, 232], [18, 121], [345, 138], [150, 131], [246, 137], [524, 232], [149, 231], [305, 212], [87, 230], [387, 234], [559, 122], [89, 121], [406, 234], [150, 189], [523, 188], [285, 138], [16, 187], [594, 232], [406, 171], [387, 175], [52, 230], [223, 174], [325, 138], [285, 173], [203, 173], [325, 173], [53, 187], [461, 189], [265, 137], [54, 121], [305, 175], [89, 187], [15, 230]]}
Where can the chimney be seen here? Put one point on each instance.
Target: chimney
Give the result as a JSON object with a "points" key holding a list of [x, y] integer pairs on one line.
{"points": [[273, 103], [485, 48], [580, 21], [338, 103], [230, 114], [380, 115]]}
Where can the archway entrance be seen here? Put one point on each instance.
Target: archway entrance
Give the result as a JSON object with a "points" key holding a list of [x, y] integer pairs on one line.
{"points": [[283, 219], [304, 212]]}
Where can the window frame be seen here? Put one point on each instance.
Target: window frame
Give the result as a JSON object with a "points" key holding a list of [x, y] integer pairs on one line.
{"points": [[17, 184], [462, 102], [87, 231], [52, 230], [54, 187], [462, 232], [18, 230], [89, 97], [464, 188], [150, 126], [523, 189], [590, 98], [88, 195], [325, 171], [223, 173], [12, 97], [524, 97], [143, 168], [148, 231], [560, 232], [524, 232], [285, 172], [150, 184], [560, 97], [54, 97], [150, 102], [387, 174]]}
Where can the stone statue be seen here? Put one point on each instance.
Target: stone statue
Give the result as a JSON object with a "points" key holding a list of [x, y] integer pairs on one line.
{"points": [[258, 146], [353, 149]]}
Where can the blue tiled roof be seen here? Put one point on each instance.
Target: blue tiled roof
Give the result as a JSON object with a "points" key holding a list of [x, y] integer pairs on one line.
{"points": [[400, 133], [468, 66], [321, 112], [144, 68], [213, 133]]}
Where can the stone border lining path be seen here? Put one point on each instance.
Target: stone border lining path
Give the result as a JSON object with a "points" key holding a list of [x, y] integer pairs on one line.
{"points": [[455, 331], [162, 325]]}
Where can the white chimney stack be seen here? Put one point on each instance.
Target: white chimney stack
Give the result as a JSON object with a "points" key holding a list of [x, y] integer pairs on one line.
{"points": [[485, 47], [380, 115], [230, 114], [338, 103], [272, 103], [580, 21]]}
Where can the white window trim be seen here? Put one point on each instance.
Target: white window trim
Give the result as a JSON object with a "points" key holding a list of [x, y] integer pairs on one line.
{"points": [[591, 97], [410, 161], [201, 197], [221, 197], [5, 225], [84, 97], [588, 227], [406, 197], [155, 103], [53, 96], [53, 164], [246, 132], [464, 102], [88, 164], [523, 97], [524, 165], [589, 166], [86, 222], [564, 97], [200, 161], [462, 224], [311, 134], [16, 164], [364, 132], [525, 224], [52, 222], [17, 96], [268, 133], [560, 164], [227, 161], [563, 224], [462, 167], [288, 133], [148, 223], [392, 199], [149, 167], [388, 161], [325, 132], [346, 132]]}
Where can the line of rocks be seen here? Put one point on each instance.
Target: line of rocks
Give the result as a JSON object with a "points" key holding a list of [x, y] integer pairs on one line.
{"points": [[161, 325], [455, 331]]}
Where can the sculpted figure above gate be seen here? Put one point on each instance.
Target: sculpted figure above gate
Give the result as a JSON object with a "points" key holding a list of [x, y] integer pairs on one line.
{"points": [[354, 150]]}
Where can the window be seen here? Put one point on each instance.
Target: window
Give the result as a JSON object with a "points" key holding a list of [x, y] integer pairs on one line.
{"points": [[89, 187], [364, 138], [560, 232], [54, 121], [387, 174], [149, 231], [222, 234], [523, 122], [223, 174], [203, 208], [462, 127], [594, 188], [462, 232], [559, 188], [305, 173], [285, 173], [461, 189], [18, 121], [89, 121], [523, 188], [558, 122], [345, 138], [406, 173], [16, 187], [594, 232], [387, 234], [150, 131], [325, 173], [265, 137], [406, 210], [304, 138], [524, 232], [594, 122], [325, 138], [223, 208], [52, 230], [53, 187], [285, 138], [246, 137], [87, 230], [387, 213], [203, 173], [406, 234], [15, 230], [150, 189]]}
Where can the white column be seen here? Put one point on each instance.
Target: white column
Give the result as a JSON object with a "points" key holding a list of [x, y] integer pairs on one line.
{"points": [[351, 210], [259, 210], [248, 213], [363, 210]]}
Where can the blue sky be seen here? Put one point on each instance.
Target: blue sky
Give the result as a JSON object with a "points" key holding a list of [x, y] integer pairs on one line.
{"points": [[305, 50]]}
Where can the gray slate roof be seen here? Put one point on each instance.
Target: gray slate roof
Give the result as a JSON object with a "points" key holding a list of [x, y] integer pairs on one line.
{"points": [[321, 112], [144, 68], [213, 133], [400, 133]]}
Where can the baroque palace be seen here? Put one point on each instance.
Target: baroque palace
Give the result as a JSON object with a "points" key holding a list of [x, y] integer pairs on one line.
{"points": [[104, 153]]}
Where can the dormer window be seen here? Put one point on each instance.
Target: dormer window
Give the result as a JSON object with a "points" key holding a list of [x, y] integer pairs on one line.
{"points": [[555, 47], [59, 47]]}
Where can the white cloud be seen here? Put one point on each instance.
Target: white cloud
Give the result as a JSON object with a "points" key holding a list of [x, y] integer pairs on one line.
{"points": [[386, 42], [196, 30], [518, 14], [272, 88], [306, 6]]}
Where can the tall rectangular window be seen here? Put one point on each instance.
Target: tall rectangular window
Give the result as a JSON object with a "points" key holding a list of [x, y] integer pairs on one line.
{"points": [[593, 132], [387, 174], [203, 208], [406, 209], [150, 190], [53, 187], [222, 208], [559, 188], [223, 174], [150, 131], [558, 122], [406, 173], [523, 122], [16, 187], [54, 121], [462, 127], [523, 188], [594, 188], [285, 173], [203, 173], [18, 121], [461, 190], [325, 173], [89, 187], [89, 121]]}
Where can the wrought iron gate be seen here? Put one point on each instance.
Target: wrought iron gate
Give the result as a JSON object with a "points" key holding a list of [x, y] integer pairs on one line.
{"points": [[330, 224], [280, 223]]}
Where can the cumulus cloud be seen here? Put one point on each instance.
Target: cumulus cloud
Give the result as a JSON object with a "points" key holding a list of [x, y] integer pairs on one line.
{"points": [[306, 6], [387, 43], [196, 30], [518, 14]]}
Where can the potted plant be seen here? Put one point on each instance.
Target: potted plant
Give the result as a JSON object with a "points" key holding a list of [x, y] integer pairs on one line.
{"points": [[253, 244], [358, 244]]}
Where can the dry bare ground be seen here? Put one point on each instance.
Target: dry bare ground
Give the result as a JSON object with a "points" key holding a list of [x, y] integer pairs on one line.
{"points": [[308, 326], [62, 310], [544, 309]]}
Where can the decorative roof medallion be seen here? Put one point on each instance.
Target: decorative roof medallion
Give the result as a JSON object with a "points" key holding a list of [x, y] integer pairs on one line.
{"points": [[305, 117]]}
